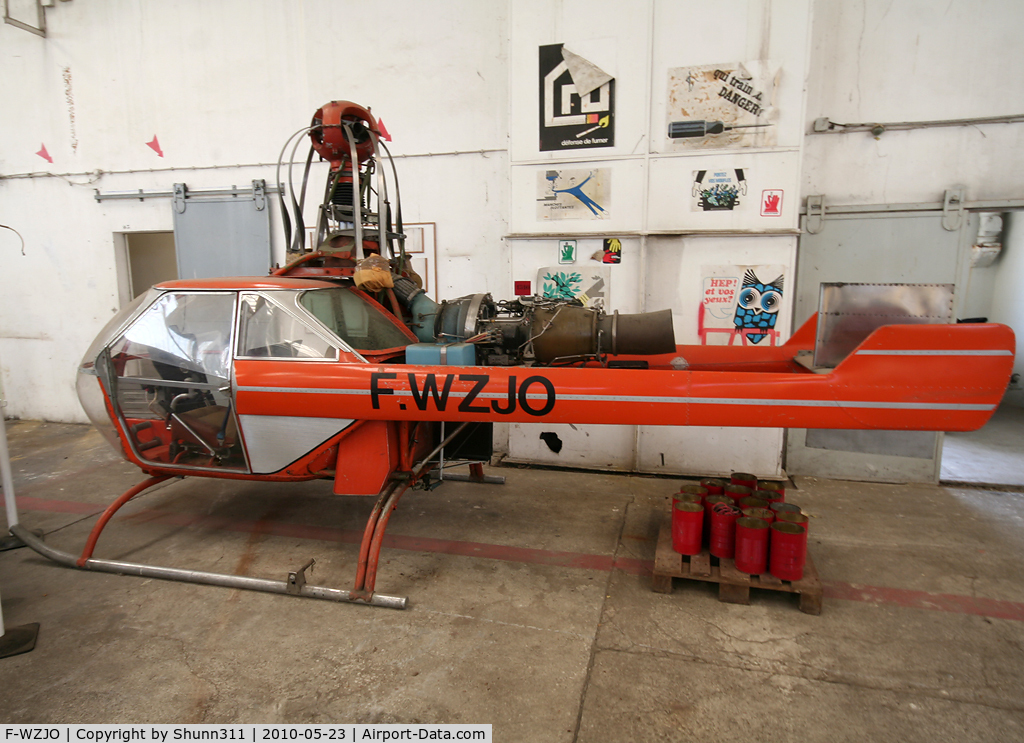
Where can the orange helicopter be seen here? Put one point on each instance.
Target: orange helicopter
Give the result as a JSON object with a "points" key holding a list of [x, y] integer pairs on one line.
{"points": [[339, 366]]}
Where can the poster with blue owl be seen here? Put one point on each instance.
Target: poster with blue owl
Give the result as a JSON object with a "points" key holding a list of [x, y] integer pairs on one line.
{"points": [[741, 304]]}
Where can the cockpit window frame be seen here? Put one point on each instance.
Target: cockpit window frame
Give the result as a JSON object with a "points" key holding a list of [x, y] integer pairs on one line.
{"points": [[110, 380], [232, 320], [299, 314], [374, 305]]}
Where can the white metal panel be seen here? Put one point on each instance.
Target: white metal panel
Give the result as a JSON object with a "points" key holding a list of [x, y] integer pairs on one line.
{"points": [[673, 279], [701, 450], [875, 248], [530, 254], [671, 204], [859, 45], [836, 455], [687, 33], [582, 445], [467, 198], [673, 273], [447, 63], [275, 441], [609, 34], [1008, 300], [589, 447], [215, 237], [624, 204]]}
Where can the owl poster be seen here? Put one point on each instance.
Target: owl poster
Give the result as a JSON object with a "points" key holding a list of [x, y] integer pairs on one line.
{"points": [[741, 305]]}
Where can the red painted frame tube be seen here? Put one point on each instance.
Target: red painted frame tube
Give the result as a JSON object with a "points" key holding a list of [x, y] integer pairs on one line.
{"points": [[94, 535], [378, 539], [371, 525], [377, 524]]}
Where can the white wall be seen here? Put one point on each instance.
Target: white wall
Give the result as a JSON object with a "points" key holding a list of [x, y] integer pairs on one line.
{"points": [[222, 85], [915, 60], [638, 44], [650, 193], [1007, 298]]}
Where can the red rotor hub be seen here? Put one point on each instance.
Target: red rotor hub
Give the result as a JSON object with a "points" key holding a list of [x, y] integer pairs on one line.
{"points": [[331, 139]]}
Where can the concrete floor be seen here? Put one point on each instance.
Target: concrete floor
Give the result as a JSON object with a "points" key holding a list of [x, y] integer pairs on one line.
{"points": [[530, 609], [994, 454]]}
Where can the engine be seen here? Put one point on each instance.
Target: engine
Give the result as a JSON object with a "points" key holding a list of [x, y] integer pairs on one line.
{"points": [[534, 330]]}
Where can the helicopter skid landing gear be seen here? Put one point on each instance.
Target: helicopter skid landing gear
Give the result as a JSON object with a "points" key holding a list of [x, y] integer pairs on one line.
{"points": [[294, 585]]}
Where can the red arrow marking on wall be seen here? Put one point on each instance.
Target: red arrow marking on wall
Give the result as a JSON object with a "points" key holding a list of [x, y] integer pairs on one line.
{"points": [[155, 144], [383, 130], [45, 155]]}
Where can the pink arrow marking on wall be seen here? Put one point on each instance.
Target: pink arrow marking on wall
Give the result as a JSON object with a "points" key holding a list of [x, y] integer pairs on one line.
{"points": [[45, 155], [155, 144]]}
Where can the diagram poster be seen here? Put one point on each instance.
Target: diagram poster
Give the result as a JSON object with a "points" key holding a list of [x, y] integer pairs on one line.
{"points": [[574, 194], [577, 102], [740, 304], [721, 106], [589, 284]]}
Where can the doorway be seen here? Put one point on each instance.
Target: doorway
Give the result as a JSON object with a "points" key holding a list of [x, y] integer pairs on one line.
{"points": [[144, 259], [993, 455]]}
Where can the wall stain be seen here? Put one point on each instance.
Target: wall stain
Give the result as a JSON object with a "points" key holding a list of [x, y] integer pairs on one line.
{"points": [[69, 96]]}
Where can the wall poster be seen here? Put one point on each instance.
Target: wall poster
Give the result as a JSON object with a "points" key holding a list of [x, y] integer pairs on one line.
{"points": [[589, 284], [740, 303], [611, 250], [721, 106], [577, 102], [573, 194], [719, 190]]}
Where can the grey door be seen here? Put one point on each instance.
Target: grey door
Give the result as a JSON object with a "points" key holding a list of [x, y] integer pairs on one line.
{"points": [[879, 247], [222, 235]]}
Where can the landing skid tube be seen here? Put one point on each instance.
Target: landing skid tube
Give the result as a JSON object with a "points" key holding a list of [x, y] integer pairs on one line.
{"points": [[295, 585]]}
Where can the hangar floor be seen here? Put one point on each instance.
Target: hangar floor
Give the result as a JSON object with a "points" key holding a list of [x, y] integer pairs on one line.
{"points": [[992, 454], [530, 608]]}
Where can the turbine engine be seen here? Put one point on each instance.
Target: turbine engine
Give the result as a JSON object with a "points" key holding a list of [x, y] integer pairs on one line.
{"points": [[534, 330]]}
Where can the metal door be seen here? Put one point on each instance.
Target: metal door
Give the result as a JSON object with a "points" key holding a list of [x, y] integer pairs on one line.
{"points": [[222, 235], [874, 247]]}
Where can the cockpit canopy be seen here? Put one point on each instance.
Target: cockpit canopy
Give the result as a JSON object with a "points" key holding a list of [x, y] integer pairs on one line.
{"points": [[166, 360]]}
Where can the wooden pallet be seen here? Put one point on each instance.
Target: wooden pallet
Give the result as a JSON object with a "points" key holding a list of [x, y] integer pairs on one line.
{"points": [[733, 585]]}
